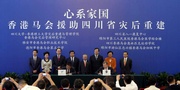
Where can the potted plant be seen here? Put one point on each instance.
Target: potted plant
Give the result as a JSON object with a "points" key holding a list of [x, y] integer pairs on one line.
{"points": [[146, 75], [177, 76], [11, 74], [26, 76], [162, 80]]}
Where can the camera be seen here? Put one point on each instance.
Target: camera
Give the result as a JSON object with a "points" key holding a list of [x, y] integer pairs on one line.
{"points": [[7, 78], [44, 74], [96, 80]]}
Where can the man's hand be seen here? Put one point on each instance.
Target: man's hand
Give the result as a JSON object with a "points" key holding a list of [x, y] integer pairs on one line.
{"points": [[48, 76], [178, 82], [59, 67], [40, 76], [101, 81], [117, 77], [83, 87], [100, 73], [12, 80], [2, 81], [34, 71], [91, 82]]}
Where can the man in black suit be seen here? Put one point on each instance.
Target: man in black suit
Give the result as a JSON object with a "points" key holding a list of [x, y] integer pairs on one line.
{"points": [[58, 61], [172, 83], [35, 63], [104, 67], [69, 68], [74, 60], [96, 60], [125, 64], [84, 66]]}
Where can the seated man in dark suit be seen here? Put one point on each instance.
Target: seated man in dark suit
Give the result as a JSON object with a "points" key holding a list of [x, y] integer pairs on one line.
{"points": [[104, 67], [69, 68], [172, 84], [58, 61], [35, 63], [74, 60], [84, 66]]}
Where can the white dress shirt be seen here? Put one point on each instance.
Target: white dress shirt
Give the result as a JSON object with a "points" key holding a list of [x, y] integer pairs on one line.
{"points": [[131, 86], [152, 87], [27, 87]]}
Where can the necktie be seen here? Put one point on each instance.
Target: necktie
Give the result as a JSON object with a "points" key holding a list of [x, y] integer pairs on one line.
{"points": [[72, 59], [84, 63], [68, 70], [125, 60], [58, 57], [96, 56]]}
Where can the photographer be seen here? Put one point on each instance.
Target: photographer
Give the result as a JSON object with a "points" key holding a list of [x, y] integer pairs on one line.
{"points": [[129, 82], [8, 83], [40, 82], [97, 84]]}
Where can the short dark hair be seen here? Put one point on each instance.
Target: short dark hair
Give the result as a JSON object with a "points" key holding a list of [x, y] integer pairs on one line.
{"points": [[35, 50], [97, 86], [69, 63], [8, 85], [97, 48], [53, 87], [46, 53], [104, 62], [22, 81], [71, 51], [65, 82], [125, 52], [78, 83], [115, 88], [111, 84], [170, 79], [128, 79], [152, 81], [110, 52], [108, 79], [41, 84], [58, 48]]}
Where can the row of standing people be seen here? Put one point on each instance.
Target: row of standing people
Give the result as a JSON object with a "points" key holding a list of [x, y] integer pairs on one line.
{"points": [[81, 67]]}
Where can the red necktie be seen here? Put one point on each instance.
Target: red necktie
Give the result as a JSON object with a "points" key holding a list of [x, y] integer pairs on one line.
{"points": [[58, 58]]}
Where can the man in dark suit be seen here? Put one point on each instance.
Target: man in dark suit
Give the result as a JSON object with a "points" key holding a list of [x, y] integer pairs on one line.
{"points": [[58, 61], [172, 84], [96, 60], [35, 63], [104, 67], [125, 64], [74, 60], [84, 66], [69, 68]]}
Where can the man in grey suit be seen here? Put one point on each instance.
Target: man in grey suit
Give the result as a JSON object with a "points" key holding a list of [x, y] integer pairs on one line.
{"points": [[125, 64], [35, 63]]}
